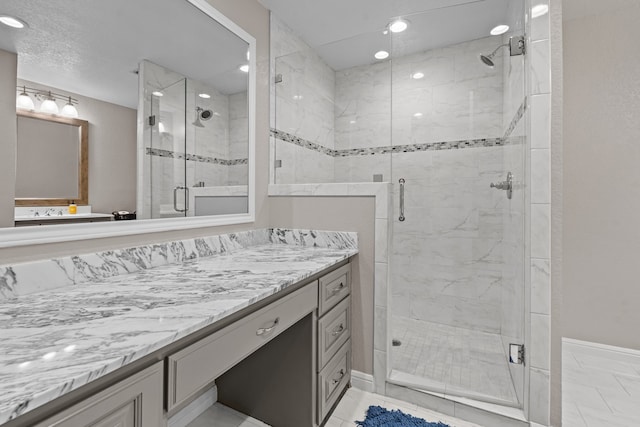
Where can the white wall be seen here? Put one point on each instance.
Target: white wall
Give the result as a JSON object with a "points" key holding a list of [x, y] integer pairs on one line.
{"points": [[601, 234], [8, 136]]}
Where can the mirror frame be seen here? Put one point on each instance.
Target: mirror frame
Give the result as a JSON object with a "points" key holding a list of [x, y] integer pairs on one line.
{"points": [[24, 236], [83, 162]]}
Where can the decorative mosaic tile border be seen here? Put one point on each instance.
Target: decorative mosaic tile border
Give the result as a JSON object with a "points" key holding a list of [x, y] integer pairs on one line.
{"points": [[408, 148], [430, 146], [194, 157], [516, 119]]}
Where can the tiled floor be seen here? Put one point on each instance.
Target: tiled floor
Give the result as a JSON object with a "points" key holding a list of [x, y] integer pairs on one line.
{"points": [[354, 404], [452, 360], [600, 387]]}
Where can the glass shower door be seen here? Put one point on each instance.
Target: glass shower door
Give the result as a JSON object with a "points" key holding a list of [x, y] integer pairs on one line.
{"points": [[457, 260], [168, 188]]}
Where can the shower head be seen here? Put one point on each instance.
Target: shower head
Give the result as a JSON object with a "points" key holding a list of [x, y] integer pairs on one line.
{"points": [[202, 114], [516, 47], [488, 59]]}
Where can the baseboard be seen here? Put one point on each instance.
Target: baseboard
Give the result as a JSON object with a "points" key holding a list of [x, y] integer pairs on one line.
{"points": [[601, 349], [194, 409], [362, 381]]}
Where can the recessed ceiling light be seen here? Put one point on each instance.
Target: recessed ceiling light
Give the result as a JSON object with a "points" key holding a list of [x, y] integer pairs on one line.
{"points": [[398, 25], [417, 75], [539, 10], [12, 22], [383, 54], [244, 68], [353, 122], [417, 115], [157, 93], [500, 29], [204, 95]]}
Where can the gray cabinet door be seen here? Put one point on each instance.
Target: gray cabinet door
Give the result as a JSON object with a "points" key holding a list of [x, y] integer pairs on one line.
{"points": [[133, 402]]}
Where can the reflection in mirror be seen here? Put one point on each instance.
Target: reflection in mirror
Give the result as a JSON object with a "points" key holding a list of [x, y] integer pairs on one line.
{"points": [[193, 134], [52, 160]]}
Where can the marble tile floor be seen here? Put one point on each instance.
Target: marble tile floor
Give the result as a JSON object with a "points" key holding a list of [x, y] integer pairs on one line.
{"points": [[600, 386], [355, 403], [451, 360]]}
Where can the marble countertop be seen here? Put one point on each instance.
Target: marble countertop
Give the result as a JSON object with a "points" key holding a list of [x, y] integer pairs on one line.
{"points": [[57, 340]]}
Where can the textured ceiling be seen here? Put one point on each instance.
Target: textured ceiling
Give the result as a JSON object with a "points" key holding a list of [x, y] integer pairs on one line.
{"points": [[347, 33], [93, 47]]}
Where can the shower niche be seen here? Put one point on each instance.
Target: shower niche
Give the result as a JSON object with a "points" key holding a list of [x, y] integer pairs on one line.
{"points": [[194, 142]]}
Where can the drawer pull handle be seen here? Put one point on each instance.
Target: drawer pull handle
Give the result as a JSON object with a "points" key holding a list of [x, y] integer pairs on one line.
{"points": [[340, 377], [337, 288], [337, 330], [264, 331]]}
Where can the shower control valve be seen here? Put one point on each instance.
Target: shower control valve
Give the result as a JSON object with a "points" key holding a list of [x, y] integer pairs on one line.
{"points": [[505, 185]]}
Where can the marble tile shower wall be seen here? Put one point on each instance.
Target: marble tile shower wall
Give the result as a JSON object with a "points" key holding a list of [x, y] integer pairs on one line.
{"points": [[215, 153], [304, 103]]}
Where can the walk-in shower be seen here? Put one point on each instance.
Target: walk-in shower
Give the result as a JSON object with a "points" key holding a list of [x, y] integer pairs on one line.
{"points": [[438, 123]]}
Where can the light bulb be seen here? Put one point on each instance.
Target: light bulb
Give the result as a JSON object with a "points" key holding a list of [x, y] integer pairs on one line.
{"points": [[398, 26], [383, 54], [500, 29], [49, 106], [24, 101], [69, 110]]}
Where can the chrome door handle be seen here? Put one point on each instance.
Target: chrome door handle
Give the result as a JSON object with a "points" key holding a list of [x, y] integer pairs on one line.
{"points": [[264, 331], [337, 288], [341, 375], [505, 185], [401, 217], [175, 199], [337, 330]]}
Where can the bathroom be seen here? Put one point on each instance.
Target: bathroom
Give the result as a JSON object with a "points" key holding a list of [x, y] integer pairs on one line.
{"points": [[330, 136]]}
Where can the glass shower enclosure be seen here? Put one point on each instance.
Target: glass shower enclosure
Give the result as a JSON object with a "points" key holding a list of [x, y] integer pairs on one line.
{"points": [[447, 130]]}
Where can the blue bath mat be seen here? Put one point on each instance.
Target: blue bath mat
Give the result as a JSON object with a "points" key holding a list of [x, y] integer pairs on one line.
{"points": [[378, 416]]}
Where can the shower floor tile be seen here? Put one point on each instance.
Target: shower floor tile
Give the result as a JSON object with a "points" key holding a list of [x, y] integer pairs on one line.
{"points": [[451, 360]]}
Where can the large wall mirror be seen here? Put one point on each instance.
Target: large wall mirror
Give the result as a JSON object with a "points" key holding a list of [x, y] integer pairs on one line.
{"points": [[52, 160], [167, 89]]}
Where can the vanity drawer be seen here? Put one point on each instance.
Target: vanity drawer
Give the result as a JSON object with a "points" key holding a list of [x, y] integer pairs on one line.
{"points": [[196, 366], [334, 329], [333, 288], [333, 379]]}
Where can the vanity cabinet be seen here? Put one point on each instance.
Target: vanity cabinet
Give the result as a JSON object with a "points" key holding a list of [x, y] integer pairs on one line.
{"points": [[197, 366], [134, 402], [334, 338], [285, 361]]}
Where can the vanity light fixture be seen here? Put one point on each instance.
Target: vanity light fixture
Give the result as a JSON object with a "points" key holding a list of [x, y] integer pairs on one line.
{"points": [[417, 76], [13, 22], [24, 101], [382, 54], [539, 10], [69, 110], [204, 95], [48, 100], [49, 106], [499, 29], [244, 68], [398, 25]]}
